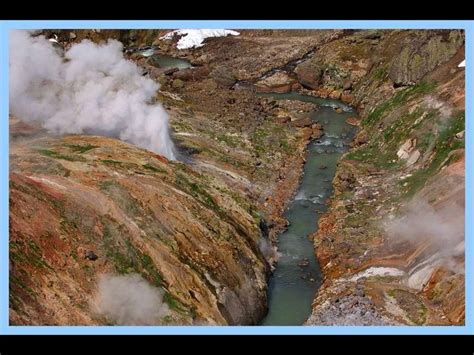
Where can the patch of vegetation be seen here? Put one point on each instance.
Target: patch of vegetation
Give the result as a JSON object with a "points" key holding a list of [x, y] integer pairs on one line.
{"points": [[175, 304], [131, 259], [154, 168], [400, 98], [380, 73], [445, 143], [80, 148], [197, 191], [16, 281], [114, 163], [28, 254], [56, 155]]}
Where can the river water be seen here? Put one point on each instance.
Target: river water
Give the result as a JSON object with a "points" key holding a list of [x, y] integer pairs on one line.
{"points": [[297, 276]]}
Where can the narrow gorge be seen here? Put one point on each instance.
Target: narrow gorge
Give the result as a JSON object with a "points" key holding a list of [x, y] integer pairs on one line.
{"points": [[312, 177]]}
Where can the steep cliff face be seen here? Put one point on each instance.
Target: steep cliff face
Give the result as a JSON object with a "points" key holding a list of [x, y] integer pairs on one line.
{"points": [[391, 245], [82, 206]]}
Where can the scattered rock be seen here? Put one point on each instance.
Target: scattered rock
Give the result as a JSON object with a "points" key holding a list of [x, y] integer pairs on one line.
{"points": [[414, 156], [170, 71], [302, 122], [278, 82], [347, 98], [223, 76], [460, 135], [361, 138], [193, 74], [353, 121], [347, 84], [317, 133], [335, 94], [90, 255], [309, 74], [304, 263]]}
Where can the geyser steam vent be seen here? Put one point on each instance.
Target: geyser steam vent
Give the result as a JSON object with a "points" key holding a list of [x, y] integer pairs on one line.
{"points": [[92, 90]]}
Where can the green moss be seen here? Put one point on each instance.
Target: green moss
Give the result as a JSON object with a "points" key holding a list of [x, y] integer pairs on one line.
{"points": [[30, 254], [175, 304], [114, 163], [56, 155], [380, 73], [80, 148], [197, 191], [444, 144], [400, 98], [153, 168]]}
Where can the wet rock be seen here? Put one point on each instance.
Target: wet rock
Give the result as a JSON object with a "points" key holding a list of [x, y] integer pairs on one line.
{"points": [[316, 133], [90, 255], [279, 82], [338, 110], [309, 74], [302, 122], [322, 167], [335, 94], [170, 71], [353, 121], [347, 98]]}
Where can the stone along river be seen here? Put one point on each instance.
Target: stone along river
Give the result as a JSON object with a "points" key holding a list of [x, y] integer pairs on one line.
{"points": [[297, 276]]}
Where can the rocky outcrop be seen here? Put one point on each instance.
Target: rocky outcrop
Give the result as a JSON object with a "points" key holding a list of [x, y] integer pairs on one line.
{"points": [[309, 74], [421, 53], [278, 82]]}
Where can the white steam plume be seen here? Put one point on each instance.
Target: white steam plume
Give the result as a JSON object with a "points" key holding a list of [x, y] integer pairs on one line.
{"points": [[92, 90], [442, 226], [129, 300]]}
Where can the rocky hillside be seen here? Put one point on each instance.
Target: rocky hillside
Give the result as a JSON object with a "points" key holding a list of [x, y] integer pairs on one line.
{"points": [[81, 206], [406, 167]]}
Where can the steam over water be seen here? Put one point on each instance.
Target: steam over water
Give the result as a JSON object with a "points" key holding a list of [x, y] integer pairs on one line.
{"points": [[90, 89]]}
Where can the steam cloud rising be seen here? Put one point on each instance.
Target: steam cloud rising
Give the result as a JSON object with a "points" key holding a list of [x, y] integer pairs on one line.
{"points": [[421, 222], [129, 300], [92, 90]]}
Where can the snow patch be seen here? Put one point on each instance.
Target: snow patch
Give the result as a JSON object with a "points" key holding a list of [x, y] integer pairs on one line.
{"points": [[462, 64], [194, 38]]}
